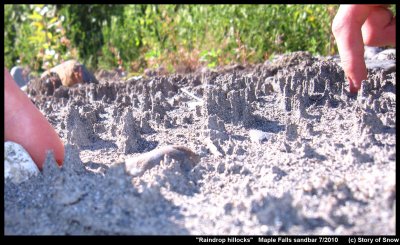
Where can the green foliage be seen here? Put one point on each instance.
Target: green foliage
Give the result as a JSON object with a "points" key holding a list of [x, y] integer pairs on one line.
{"points": [[210, 57], [9, 36], [33, 36], [124, 38], [138, 36], [84, 24], [393, 8], [14, 16], [46, 36]]}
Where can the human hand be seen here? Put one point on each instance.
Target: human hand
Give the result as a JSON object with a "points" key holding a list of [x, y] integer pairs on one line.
{"points": [[25, 125], [355, 26]]}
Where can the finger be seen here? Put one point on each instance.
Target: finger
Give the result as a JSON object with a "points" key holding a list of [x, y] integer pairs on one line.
{"points": [[25, 125], [346, 28], [379, 28]]}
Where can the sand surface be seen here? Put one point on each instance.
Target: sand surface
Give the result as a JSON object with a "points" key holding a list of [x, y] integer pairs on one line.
{"points": [[283, 149]]}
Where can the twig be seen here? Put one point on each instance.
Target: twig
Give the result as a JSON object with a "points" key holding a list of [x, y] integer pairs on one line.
{"points": [[191, 95]]}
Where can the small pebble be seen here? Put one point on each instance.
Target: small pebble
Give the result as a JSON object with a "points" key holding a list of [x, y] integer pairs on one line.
{"points": [[18, 165], [258, 136], [18, 74]]}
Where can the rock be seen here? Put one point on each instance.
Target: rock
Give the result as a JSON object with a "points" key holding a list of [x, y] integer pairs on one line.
{"points": [[379, 59], [136, 166], [387, 65], [72, 72], [387, 54], [19, 76], [370, 52], [18, 164], [258, 136]]}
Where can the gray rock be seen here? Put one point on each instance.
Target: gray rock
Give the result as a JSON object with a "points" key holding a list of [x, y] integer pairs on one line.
{"points": [[387, 65], [387, 54], [370, 52], [17, 73]]}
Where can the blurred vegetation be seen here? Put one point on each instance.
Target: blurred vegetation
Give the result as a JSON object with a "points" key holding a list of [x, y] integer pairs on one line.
{"points": [[178, 37]]}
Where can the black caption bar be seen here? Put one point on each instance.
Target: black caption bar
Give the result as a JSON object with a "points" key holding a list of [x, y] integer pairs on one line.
{"points": [[296, 239]]}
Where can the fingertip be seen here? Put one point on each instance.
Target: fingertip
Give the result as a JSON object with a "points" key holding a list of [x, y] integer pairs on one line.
{"points": [[54, 144], [354, 85], [60, 154], [356, 71]]}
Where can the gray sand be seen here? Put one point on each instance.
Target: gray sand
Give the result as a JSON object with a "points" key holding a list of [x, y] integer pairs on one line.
{"points": [[284, 148]]}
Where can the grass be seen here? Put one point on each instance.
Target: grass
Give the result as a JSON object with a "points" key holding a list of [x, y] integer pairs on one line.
{"points": [[177, 37]]}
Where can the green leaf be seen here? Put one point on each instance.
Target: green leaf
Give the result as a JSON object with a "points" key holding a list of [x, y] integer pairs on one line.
{"points": [[38, 24], [34, 39], [35, 16], [53, 20], [212, 65]]}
